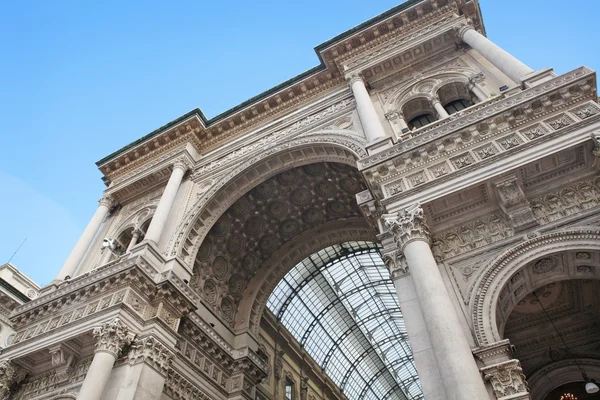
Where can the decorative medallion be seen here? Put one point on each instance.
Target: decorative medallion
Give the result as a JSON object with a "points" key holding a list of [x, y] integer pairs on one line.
{"points": [[325, 188], [314, 169], [268, 243], [227, 310], [204, 251], [254, 225], [313, 216], [236, 285], [336, 207], [288, 177], [250, 263], [221, 227], [210, 292], [289, 227], [544, 265], [277, 209], [351, 185], [235, 243], [301, 196], [220, 267]]}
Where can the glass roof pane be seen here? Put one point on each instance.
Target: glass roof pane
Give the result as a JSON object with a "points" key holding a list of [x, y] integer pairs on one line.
{"points": [[341, 305]]}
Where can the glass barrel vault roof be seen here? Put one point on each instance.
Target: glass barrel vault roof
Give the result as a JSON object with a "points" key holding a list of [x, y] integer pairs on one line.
{"points": [[341, 305]]}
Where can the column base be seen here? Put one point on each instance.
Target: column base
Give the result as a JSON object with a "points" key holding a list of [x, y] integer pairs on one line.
{"points": [[537, 78], [379, 145]]}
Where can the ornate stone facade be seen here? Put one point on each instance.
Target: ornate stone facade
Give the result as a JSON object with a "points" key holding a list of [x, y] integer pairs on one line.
{"points": [[477, 176]]}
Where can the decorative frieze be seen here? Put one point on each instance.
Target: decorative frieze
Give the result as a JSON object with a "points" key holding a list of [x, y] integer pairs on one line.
{"points": [[569, 200], [470, 236], [179, 388]]}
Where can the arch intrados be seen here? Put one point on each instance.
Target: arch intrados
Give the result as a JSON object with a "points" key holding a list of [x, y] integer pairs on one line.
{"points": [[559, 373], [403, 94], [452, 82], [420, 104], [196, 224], [260, 287], [485, 293]]}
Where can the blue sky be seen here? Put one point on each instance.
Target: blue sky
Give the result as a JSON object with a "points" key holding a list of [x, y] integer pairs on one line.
{"points": [[79, 81]]}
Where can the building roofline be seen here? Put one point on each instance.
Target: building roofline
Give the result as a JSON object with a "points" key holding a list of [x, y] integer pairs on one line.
{"points": [[320, 67]]}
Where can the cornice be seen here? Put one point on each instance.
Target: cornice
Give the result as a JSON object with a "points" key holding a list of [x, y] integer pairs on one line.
{"points": [[205, 134]]}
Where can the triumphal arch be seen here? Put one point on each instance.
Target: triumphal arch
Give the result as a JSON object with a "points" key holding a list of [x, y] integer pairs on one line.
{"points": [[416, 217]]}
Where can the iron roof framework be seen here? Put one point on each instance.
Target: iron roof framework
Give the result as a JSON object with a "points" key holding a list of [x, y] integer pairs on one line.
{"points": [[341, 305]]}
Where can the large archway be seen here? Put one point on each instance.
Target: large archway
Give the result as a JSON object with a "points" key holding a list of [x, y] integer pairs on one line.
{"points": [[289, 207]]}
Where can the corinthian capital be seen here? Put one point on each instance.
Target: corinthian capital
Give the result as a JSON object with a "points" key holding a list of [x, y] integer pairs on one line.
{"points": [[112, 337], [396, 263], [9, 375], [407, 225], [461, 29], [151, 351], [106, 200], [354, 78], [182, 163], [507, 379]]}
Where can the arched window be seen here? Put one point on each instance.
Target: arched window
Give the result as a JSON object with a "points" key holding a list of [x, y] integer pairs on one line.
{"points": [[421, 120], [455, 106]]}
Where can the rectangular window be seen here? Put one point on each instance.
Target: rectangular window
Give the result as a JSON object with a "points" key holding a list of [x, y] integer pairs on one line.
{"points": [[289, 390]]}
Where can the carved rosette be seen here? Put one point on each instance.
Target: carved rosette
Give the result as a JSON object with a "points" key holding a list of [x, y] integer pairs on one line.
{"points": [[507, 380], [407, 225], [396, 264], [152, 352], [112, 337], [10, 374]]}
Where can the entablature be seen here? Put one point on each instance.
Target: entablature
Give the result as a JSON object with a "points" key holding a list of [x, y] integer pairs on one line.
{"points": [[479, 137]]}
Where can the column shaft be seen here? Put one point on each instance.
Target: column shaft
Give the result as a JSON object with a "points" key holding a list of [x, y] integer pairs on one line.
{"points": [[503, 60], [442, 113], [425, 361], [366, 111], [72, 262], [134, 239], [457, 366], [166, 202], [97, 376]]}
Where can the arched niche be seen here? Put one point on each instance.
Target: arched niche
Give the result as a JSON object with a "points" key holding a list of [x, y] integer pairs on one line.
{"points": [[513, 275]]}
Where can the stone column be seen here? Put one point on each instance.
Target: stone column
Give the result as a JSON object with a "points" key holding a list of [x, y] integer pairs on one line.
{"points": [[439, 108], [180, 166], [474, 87], [500, 58], [420, 343], [134, 238], [110, 340], [457, 367], [366, 111], [70, 266]]}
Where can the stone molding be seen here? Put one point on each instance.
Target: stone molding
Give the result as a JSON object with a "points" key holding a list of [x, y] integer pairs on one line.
{"points": [[407, 225], [152, 352], [507, 380], [486, 290], [111, 337], [64, 360], [177, 387]]}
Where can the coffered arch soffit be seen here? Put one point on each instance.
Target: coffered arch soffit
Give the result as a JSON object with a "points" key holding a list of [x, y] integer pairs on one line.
{"points": [[287, 257], [425, 86], [559, 373], [494, 287], [222, 190], [290, 206]]}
